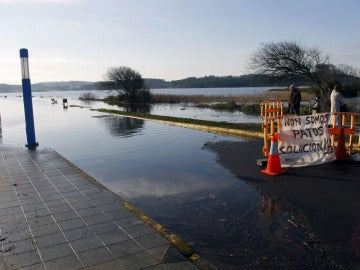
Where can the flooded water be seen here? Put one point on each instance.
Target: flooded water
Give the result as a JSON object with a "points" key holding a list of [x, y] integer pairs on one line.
{"points": [[213, 91], [164, 170]]}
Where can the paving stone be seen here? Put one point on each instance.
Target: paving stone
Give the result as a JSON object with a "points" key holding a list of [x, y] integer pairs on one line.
{"points": [[104, 227], [40, 221], [138, 261], [118, 213], [174, 266], [45, 229], [112, 237], [90, 211], [73, 200], [23, 259], [125, 248], [166, 254], [87, 243], [67, 188], [107, 265], [38, 266], [103, 202], [55, 252], [74, 193], [55, 203], [10, 211], [34, 206], [152, 241], [9, 204], [96, 219], [107, 205], [96, 256], [140, 230], [82, 205], [64, 263], [63, 216], [12, 248], [37, 213], [12, 218], [14, 234], [60, 208], [128, 222], [78, 233], [50, 239], [71, 222]]}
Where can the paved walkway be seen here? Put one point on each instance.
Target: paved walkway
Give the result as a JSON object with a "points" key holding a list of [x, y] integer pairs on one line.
{"points": [[53, 217]]}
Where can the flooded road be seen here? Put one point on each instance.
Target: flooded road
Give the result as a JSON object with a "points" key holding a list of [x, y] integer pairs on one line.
{"points": [[178, 177]]}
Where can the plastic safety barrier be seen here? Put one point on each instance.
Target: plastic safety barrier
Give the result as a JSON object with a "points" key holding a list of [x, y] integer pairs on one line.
{"points": [[271, 113], [350, 124]]}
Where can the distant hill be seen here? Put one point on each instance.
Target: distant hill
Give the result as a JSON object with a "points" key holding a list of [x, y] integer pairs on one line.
{"points": [[50, 86], [8, 88], [250, 80]]}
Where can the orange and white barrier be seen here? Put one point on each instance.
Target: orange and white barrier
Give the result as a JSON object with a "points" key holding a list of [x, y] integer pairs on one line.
{"points": [[272, 112], [350, 123]]}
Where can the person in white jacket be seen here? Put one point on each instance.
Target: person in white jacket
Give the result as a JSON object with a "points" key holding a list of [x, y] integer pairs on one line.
{"points": [[336, 102]]}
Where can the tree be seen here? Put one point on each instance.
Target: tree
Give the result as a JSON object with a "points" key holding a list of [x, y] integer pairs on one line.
{"points": [[286, 59], [128, 83]]}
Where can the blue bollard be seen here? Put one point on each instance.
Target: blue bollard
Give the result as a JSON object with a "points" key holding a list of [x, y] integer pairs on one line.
{"points": [[27, 97]]}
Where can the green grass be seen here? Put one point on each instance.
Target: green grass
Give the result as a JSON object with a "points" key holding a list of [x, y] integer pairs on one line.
{"points": [[252, 127]]}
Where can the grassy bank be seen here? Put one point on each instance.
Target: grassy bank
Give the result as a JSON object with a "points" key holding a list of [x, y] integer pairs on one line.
{"points": [[235, 129], [242, 99], [247, 103]]}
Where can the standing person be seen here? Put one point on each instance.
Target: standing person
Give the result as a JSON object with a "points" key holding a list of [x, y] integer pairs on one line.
{"points": [[337, 101], [294, 101], [317, 105]]}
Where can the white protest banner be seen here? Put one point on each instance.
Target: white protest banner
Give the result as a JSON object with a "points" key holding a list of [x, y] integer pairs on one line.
{"points": [[305, 140]]}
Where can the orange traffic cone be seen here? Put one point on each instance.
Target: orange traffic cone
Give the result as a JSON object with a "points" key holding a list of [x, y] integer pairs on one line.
{"points": [[340, 153], [273, 165]]}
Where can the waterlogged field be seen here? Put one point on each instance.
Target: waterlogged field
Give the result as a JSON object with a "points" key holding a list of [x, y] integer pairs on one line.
{"points": [[169, 173], [164, 170]]}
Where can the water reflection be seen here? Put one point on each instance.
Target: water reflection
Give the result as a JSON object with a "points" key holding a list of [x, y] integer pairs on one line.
{"points": [[269, 206], [122, 126], [137, 108]]}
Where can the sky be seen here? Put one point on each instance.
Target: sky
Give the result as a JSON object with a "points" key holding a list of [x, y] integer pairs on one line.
{"points": [[166, 39]]}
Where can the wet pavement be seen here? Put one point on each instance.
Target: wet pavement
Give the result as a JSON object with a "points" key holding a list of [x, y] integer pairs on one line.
{"points": [[323, 200], [53, 216]]}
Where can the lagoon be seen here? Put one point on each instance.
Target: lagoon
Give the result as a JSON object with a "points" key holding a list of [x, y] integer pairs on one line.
{"points": [[137, 159], [165, 171]]}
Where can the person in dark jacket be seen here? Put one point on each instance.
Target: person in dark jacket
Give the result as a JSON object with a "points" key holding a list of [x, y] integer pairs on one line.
{"points": [[294, 101], [317, 105]]}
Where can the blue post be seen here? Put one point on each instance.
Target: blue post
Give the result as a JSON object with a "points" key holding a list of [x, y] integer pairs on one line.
{"points": [[27, 96]]}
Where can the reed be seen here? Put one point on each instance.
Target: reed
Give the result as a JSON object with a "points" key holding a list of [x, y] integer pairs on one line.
{"points": [[244, 98]]}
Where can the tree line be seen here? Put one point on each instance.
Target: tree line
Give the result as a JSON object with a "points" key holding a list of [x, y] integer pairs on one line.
{"points": [[249, 80], [278, 63]]}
